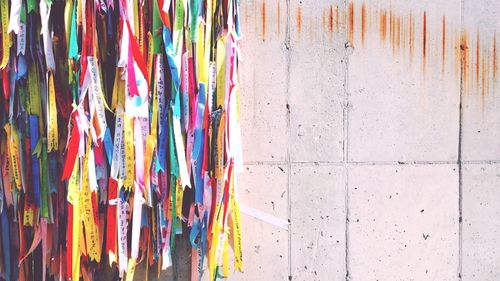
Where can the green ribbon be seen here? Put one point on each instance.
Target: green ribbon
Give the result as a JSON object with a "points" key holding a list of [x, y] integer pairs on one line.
{"points": [[156, 28], [73, 41], [32, 6], [45, 181], [194, 6]]}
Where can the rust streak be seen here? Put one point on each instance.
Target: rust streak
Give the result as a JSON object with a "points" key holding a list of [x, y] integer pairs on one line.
{"points": [[330, 20], [363, 23], [403, 31], [424, 40], [478, 56], [337, 18], [263, 12], [495, 67], [443, 41], [312, 27], [412, 36], [398, 32], [457, 51], [391, 29], [487, 75], [279, 17], [464, 47], [351, 22], [483, 76], [324, 21], [383, 25], [299, 19]]}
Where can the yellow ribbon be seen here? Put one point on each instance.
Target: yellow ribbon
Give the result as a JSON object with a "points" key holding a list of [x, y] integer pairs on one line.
{"points": [[53, 131]]}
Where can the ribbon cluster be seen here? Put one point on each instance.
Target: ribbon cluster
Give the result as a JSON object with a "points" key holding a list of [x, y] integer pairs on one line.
{"points": [[120, 130]]}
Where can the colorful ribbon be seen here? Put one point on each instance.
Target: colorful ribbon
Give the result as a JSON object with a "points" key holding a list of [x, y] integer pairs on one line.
{"points": [[120, 131]]}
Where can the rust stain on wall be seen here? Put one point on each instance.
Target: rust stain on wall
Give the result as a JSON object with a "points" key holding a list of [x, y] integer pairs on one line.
{"points": [[299, 19], [279, 17], [391, 30], [363, 24], [443, 43], [337, 18], [483, 75], [478, 56], [412, 37], [495, 67], [330, 20], [263, 13], [473, 57], [398, 32], [351, 22], [383, 25], [464, 47], [457, 51], [424, 39]]}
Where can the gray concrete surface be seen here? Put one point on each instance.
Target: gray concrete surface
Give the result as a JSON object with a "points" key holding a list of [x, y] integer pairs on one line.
{"points": [[374, 129]]}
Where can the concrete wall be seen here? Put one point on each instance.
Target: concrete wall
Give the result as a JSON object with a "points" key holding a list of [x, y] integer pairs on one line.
{"points": [[373, 129]]}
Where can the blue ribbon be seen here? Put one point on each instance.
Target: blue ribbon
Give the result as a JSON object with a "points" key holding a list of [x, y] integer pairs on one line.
{"points": [[35, 165], [6, 244], [197, 153], [108, 145]]}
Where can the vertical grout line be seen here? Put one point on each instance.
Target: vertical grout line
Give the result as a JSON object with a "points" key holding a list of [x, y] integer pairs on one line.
{"points": [[345, 143], [287, 160], [460, 135]]}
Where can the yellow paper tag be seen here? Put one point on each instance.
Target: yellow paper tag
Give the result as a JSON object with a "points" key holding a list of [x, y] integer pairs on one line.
{"points": [[219, 164], [53, 131], [236, 230], [150, 146], [200, 49], [179, 195], [35, 104], [129, 152], [221, 71], [4, 14], [225, 258], [130, 270], [15, 162], [75, 247], [28, 216], [150, 53], [118, 97], [207, 43], [74, 184], [91, 231], [215, 231]]}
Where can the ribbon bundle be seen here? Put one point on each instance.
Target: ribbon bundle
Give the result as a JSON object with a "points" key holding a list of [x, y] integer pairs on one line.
{"points": [[120, 130]]}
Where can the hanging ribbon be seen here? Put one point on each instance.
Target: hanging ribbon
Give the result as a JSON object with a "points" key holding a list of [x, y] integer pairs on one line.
{"points": [[85, 185]]}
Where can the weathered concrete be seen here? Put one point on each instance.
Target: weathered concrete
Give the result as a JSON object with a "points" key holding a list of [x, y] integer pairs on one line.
{"points": [[481, 122], [371, 141], [263, 83], [404, 104], [317, 77], [481, 227], [318, 223], [403, 222]]}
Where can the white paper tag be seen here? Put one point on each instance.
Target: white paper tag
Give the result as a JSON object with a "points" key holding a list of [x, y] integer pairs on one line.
{"points": [[97, 95]]}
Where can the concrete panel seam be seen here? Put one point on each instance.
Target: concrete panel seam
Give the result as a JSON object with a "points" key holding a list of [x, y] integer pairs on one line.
{"points": [[370, 163], [288, 137], [345, 145], [459, 155]]}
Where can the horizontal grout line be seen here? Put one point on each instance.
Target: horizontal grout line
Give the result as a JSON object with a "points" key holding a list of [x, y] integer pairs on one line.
{"points": [[369, 163], [391, 163]]}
